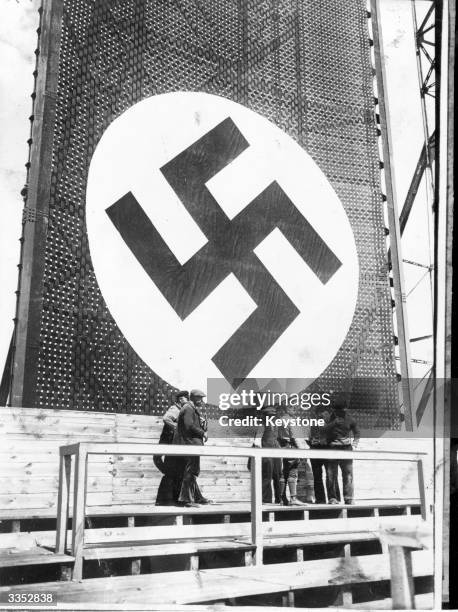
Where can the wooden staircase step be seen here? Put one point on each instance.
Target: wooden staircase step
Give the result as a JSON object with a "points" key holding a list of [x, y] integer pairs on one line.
{"points": [[217, 508], [131, 550], [162, 550], [221, 584], [33, 556]]}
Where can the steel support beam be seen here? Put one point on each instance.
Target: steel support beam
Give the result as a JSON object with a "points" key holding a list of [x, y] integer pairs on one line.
{"points": [[416, 180], [35, 220], [393, 221], [443, 300]]}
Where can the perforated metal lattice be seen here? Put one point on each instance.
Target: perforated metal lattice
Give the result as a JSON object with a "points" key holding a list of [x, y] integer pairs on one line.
{"points": [[305, 65]]}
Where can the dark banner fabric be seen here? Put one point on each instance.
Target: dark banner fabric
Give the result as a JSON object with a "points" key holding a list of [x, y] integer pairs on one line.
{"points": [[215, 205]]}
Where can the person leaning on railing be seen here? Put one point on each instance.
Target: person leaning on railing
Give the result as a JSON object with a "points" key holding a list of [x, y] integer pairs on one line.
{"points": [[342, 433]]}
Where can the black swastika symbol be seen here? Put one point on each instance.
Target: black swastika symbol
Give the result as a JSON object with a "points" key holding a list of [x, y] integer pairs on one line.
{"points": [[229, 248]]}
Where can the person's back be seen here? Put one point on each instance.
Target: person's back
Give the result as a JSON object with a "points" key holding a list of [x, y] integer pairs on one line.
{"points": [[167, 493], [342, 433], [342, 430], [189, 429]]}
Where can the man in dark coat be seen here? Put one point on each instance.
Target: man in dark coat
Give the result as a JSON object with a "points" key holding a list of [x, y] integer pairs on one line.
{"points": [[271, 466], [342, 433], [191, 429], [318, 440], [167, 493]]}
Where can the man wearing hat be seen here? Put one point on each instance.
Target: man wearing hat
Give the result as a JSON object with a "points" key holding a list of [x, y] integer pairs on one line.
{"points": [[342, 433], [167, 493], [191, 429]]}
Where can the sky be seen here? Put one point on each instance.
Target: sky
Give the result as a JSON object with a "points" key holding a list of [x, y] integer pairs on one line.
{"points": [[19, 20]]}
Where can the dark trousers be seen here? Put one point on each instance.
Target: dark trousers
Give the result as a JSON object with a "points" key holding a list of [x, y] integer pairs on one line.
{"points": [[290, 469], [169, 487], [317, 469], [346, 467], [271, 473], [189, 489]]}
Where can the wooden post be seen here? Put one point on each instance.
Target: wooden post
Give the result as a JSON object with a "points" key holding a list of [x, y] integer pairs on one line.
{"points": [[256, 508], [402, 587], [65, 574], [347, 596], [62, 503], [79, 502], [194, 563], [248, 557], [421, 488], [287, 600], [135, 564]]}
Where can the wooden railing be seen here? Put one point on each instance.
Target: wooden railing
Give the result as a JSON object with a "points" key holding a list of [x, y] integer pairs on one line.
{"points": [[80, 451]]}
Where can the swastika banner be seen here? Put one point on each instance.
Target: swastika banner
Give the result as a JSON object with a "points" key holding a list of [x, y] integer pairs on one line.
{"points": [[215, 207]]}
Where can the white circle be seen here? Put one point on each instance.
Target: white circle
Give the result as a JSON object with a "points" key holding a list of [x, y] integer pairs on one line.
{"points": [[128, 158]]}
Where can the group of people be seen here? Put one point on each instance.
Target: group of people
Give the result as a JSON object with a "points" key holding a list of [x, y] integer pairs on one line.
{"points": [[185, 423], [340, 432]]}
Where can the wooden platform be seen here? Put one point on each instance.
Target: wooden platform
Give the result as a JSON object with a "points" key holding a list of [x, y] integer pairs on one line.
{"points": [[138, 537], [30, 439], [224, 510], [219, 585], [37, 555]]}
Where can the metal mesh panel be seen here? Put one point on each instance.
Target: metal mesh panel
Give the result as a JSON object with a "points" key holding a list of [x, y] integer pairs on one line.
{"points": [[304, 65]]}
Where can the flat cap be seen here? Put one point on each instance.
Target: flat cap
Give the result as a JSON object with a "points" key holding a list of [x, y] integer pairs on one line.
{"points": [[269, 410], [182, 394], [197, 393]]}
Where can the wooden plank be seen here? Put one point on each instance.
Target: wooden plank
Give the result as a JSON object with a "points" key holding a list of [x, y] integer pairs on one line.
{"points": [[295, 531], [230, 451], [50, 484], [179, 548], [217, 584], [225, 530], [422, 602], [401, 583], [63, 504], [421, 488], [256, 509], [150, 509], [79, 502], [162, 550], [38, 556]]}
